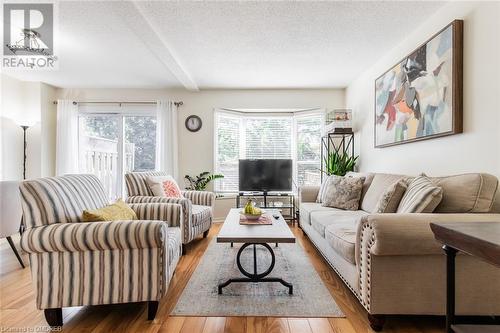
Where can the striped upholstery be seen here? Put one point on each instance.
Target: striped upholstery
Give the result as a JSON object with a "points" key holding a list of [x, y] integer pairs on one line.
{"points": [[195, 220], [421, 196], [94, 236], [60, 199], [136, 183], [90, 263], [203, 198]]}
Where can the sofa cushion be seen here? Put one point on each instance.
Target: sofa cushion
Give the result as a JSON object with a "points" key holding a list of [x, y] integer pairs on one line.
{"points": [[368, 180], [343, 192], [342, 238], [306, 208], [422, 196], [321, 220], [200, 214], [379, 185], [467, 193]]}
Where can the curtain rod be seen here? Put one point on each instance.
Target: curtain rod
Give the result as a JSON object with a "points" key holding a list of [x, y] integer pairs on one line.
{"points": [[179, 103]]}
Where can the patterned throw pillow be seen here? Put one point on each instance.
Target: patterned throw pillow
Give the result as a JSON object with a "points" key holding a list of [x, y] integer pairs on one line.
{"points": [[421, 196], [390, 199], [343, 192], [164, 186], [114, 212]]}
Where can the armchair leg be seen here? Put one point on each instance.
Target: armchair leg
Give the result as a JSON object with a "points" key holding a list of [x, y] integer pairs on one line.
{"points": [[184, 249], [205, 234], [13, 246], [54, 317], [376, 322], [152, 308]]}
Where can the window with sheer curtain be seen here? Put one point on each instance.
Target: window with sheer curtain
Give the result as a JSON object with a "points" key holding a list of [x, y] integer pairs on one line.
{"points": [[267, 136]]}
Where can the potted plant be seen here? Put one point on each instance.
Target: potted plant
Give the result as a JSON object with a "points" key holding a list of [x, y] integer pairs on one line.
{"points": [[200, 182], [339, 164]]}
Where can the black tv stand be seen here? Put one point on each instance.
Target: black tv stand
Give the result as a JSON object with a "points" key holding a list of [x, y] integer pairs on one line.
{"points": [[262, 200]]}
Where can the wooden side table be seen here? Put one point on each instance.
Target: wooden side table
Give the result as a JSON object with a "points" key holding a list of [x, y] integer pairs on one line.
{"points": [[478, 239]]}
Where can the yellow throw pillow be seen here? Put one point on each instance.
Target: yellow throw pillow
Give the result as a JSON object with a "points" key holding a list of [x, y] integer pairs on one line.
{"points": [[117, 211]]}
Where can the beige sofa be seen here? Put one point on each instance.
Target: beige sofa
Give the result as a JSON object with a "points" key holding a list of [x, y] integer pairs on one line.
{"points": [[391, 262]]}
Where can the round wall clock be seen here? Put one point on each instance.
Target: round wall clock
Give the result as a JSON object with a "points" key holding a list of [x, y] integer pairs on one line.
{"points": [[193, 123]]}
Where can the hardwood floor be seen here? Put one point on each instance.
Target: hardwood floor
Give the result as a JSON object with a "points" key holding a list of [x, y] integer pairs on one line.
{"points": [[17, 305]]}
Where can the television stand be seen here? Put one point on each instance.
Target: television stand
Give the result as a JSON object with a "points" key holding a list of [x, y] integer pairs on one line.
{"points": [[267, 200]]}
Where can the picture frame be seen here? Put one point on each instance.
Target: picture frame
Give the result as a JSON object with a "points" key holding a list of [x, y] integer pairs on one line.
{"points": [[421, 96]]}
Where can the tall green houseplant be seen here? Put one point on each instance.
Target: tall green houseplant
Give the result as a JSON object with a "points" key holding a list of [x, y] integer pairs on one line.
{"points": [[339, 163]]}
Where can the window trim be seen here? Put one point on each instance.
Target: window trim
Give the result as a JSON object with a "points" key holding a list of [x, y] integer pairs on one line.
{"points": [[271, 113]]}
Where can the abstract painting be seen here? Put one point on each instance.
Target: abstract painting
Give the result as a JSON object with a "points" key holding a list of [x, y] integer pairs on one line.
{"points": [[421, 96]]}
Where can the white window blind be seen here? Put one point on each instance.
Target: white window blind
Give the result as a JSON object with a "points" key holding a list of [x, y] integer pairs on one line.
{"points": [[268, 137], [227, 151], [240, 135]]}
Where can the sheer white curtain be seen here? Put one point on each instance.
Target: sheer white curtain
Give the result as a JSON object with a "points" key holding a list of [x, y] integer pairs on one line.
{"points": [[66, 138], [166, 137]]}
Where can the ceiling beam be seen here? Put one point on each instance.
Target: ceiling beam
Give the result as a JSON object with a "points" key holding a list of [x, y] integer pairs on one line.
{"points": [[153, 40]]}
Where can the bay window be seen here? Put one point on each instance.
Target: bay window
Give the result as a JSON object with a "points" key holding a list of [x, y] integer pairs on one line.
{"points": [[266, 135]]}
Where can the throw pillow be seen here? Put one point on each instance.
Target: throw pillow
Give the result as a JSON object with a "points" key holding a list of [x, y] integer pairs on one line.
{"points": [[390, 199], [421, 196], [114, 212], [343, 192], [322, 189], [164, 186]]}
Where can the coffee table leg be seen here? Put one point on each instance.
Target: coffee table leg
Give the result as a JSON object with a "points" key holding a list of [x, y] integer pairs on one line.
{"points": [[255, 277], [450, 286]]}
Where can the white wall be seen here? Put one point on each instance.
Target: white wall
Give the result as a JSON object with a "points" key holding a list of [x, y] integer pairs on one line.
{"points": [[478, 148], [196, 149], [25, 102]]}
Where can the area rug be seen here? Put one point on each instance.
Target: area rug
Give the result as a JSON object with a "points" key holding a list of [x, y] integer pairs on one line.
{"points": [[310, 296]]}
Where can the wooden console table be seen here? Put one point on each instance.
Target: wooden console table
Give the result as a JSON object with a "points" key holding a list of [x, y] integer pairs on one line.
{"points": [[478, 239]]}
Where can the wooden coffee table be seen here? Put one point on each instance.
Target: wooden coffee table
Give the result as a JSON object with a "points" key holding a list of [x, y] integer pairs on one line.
{"points": [[255, 235]]}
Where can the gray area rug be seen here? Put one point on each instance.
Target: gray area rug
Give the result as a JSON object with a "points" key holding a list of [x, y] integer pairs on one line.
{"points": [[310, 296]]}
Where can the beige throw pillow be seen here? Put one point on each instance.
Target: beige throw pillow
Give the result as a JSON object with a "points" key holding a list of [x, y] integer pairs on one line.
{"points": [[343, 192], [390, 199], [421, 196]]}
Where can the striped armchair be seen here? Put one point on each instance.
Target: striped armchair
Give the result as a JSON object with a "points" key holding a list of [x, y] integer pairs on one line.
{"points": [[75, 263], [197, 206]]}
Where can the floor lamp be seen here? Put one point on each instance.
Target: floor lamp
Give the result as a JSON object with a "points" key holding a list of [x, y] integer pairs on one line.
{"points": [[25, 144]]}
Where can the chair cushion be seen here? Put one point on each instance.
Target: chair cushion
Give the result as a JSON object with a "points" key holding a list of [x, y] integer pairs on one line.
{"points": [[321, 220], [200, 214], [164, 186], [467, 193], [306, 208], [421, 196], [342, 238], [379, 185]]}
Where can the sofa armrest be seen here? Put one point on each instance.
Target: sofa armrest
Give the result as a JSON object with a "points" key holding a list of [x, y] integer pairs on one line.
{"points": [[95, 236], [406, 234], [168, 212], [308, 193], [203, 198]]}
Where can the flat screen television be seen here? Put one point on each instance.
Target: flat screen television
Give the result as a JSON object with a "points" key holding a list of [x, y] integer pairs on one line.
{"points": [[265, 175]]}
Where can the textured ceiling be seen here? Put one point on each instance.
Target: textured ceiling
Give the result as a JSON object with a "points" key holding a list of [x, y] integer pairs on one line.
{"points": [[226, 44]]}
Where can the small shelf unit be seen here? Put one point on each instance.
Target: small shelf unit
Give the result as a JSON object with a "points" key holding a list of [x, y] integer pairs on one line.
{"points": [[266, 200]]}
